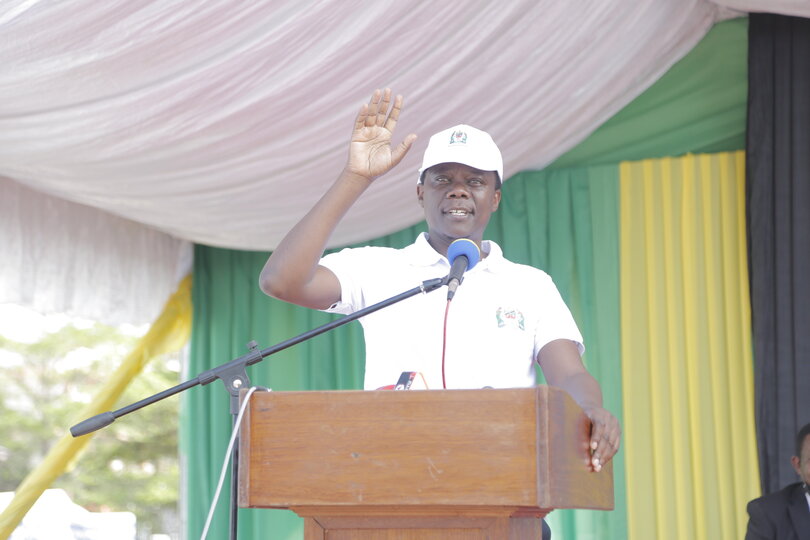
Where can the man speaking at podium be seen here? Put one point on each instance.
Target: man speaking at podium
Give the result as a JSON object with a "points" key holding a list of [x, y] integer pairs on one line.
{"points": [[503, 318]]}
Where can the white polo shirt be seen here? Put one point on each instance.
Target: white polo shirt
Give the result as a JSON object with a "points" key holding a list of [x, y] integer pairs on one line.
{"points": [[501, 316]]}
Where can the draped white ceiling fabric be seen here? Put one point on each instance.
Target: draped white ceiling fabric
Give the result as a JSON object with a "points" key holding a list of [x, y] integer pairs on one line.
{"points": [[222, 122], [798, 8], [60, 257]]}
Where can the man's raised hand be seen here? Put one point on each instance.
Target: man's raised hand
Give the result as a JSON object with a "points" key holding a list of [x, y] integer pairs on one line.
{"points": [[370, 152]]}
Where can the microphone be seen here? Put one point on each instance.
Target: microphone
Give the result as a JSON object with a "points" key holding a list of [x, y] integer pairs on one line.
{"points": [[463, 254], [411, 380]]}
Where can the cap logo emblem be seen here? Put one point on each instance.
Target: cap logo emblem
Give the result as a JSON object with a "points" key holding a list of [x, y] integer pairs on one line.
{"points": [[458, 137]]}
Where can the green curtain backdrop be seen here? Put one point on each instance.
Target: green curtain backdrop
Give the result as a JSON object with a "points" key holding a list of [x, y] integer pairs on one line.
{"points": [[563, 220]]}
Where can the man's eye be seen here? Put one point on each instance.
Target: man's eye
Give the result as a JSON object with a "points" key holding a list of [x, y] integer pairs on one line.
{"points": [[441, 179], [476, 181]]}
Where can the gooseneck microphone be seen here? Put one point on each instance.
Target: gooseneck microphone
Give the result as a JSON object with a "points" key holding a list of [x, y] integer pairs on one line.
{"points": [[463, 254]]}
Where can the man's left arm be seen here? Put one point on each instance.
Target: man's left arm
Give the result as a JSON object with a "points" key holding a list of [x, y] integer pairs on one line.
{"points": [[563, 368], [760, 526]]}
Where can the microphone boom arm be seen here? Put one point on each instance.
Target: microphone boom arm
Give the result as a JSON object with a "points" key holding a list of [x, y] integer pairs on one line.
{"points": [[233, 373]]}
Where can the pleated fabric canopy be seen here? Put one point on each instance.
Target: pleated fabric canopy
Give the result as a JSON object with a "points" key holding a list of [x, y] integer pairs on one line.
{"points": [[129, 130]]}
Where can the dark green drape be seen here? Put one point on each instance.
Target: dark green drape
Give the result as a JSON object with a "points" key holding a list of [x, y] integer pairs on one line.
{"points": [[778, 199], [563, 220]]}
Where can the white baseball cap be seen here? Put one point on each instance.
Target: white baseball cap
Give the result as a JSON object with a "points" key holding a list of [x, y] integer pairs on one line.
{"points": [[466, 145]]}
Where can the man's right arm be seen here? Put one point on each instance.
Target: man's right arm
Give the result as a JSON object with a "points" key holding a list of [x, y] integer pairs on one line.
{"points": [[292, 272]]}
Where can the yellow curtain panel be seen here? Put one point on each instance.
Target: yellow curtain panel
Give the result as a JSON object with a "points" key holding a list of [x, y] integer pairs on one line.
{"points": [[168, 333], [687, 367]]}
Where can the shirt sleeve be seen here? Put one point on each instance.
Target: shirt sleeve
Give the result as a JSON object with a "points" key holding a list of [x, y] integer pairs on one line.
{"points": [[343, 264], [358, 270], [555, 320]]}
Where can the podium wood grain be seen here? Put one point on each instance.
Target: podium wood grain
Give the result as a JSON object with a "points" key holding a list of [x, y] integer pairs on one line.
{"points": [[419, 464]]}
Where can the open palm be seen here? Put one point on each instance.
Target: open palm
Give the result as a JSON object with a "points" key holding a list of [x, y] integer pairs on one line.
{"points": [[370, 151]]}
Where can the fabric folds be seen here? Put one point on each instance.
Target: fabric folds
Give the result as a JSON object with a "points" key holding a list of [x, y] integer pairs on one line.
{"points": [[778, 198]]}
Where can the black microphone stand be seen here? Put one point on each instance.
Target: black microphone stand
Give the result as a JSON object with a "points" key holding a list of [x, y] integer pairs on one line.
{"points": [[234, 377]]}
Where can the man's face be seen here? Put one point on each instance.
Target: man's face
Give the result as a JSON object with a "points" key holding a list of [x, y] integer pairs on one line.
{"points": [[802, 463], [458, 202]]}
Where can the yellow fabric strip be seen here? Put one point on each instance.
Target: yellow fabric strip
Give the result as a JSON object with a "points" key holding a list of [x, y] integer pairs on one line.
{"points": [[168, 333], [687, 367]]}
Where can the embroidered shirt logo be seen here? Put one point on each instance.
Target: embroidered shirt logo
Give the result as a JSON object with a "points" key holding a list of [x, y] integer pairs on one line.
{"points": [[511, 317], [458, 137]]}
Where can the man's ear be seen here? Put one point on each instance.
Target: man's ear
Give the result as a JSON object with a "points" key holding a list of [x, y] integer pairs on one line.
{"points": [[796, 462], [420, 194], [496, 200]]}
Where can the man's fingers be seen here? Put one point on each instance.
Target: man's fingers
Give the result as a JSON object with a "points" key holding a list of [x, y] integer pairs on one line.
{"points": [[382, 110], [614, 441], [606, 447], [373, 105], [376, 113], [605, 436], [597, 431], [360, 121], [401, 149], [391, 121]]}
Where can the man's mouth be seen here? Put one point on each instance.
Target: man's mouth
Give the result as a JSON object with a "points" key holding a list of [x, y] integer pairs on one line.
{"points": [[459, 212]]}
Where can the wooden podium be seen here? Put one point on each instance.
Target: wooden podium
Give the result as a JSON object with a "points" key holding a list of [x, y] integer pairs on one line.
{"points": [[426, 464]]}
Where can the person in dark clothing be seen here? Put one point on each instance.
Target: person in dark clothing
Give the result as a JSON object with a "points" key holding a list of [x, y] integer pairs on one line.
{"points": [[785, 515]]}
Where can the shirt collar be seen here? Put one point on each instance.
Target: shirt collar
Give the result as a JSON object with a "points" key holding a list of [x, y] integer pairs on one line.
{"points": [[423, 254]]}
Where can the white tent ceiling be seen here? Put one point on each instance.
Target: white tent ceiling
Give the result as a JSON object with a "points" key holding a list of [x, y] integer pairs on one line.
{"points": [[221, 122]]}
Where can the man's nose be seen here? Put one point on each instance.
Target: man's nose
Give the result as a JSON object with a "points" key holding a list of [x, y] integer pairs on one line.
{"points": [[458, 190]]}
